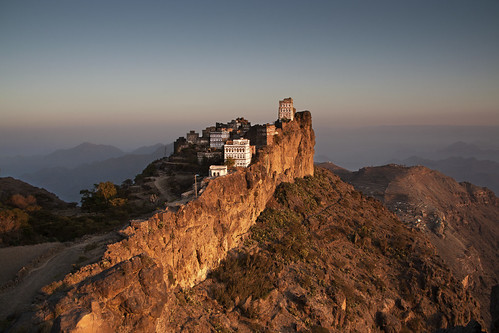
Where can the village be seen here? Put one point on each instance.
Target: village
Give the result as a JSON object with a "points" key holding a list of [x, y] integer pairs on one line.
{"points": [[226, 146]]}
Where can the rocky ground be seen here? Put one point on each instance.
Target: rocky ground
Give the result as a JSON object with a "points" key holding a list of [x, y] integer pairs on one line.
{"points": [[321, 257], [460, 219], [324, 258]]}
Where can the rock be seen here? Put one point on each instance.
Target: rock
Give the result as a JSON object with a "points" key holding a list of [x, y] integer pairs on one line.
{"points": [[246, 305], [387, 305], [191, 241], [472, 327], [402, 304], [388, 322], [465, 281], [494, 308]]}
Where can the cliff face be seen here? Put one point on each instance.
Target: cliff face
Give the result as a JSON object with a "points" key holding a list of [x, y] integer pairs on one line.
{"points": [[129, 286], [324, 258]]}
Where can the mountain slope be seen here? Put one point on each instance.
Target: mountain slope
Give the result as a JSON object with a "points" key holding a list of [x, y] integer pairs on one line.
{"points": [[10, 186], [19, 204], [67, 182], [479, 172], [83, 153], [321, 257], [263, 249], [460, 219], [67, 158]]}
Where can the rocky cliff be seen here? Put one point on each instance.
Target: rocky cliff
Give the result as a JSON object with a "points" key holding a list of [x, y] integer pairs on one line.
{"points": [[460, 219], [324, 258], [127, 289]]}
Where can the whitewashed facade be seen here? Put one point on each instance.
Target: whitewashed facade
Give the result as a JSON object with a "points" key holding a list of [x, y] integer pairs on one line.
{"points": [[239, 151], [286, 109], [218, 170]]}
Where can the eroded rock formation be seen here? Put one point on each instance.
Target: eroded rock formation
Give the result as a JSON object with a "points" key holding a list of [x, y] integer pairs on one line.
{"points": [[127, 287]]}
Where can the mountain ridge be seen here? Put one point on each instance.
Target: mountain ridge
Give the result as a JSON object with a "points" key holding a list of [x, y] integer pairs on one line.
{"points": [[202, 231], [320, 257], [460, 219], [470, 169]]}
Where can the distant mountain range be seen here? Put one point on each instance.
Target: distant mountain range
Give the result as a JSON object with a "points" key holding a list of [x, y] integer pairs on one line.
{"points": [[480, 172], [67, 171], [354, 148], [460, 160], [463, 162], [460, 149]]}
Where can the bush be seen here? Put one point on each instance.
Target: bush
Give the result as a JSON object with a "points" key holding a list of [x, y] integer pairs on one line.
{"points": [[282, 233], [245, 275]]}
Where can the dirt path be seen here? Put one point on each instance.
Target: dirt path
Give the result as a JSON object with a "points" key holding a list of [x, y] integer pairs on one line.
{"points": [[161, 183], [14, 258], [19, 294]]}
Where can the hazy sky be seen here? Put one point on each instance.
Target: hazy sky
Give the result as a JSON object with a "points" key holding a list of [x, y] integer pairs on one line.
{"points": [[137, 72]]}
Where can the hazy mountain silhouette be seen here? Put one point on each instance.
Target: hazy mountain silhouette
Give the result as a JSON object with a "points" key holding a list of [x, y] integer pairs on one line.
{"points": [[68, 158], [354, 148], [479, 172], [465, 153], [83, 153], [463, 149], [67, 171], [67, 182], [150, 149]]}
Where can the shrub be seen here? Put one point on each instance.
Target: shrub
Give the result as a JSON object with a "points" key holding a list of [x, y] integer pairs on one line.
{"points": [[282, 233], [245, 275]]}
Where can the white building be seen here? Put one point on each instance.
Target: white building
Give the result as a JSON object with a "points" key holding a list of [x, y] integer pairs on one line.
{"points": [[239, 151], [286, 109], [218, 138], [218, 170]]}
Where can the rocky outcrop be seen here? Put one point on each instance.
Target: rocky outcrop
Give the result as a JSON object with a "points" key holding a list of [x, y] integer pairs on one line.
{"points": [[126, 289], [323, 258]]}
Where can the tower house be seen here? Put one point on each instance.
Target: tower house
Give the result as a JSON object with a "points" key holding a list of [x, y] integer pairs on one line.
{"points": [[286, 110]]}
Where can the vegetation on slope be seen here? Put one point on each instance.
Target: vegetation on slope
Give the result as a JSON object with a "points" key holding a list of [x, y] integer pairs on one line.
{"points": [[321, 258], [29, 215]]}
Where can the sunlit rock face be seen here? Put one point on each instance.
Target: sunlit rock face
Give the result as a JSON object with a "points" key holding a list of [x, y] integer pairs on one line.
{"points": [[129, 286]]}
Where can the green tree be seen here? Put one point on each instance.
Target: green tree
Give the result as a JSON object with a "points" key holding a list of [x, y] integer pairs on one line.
{"points": [[229, 162], [106, 190], [101, 197]]}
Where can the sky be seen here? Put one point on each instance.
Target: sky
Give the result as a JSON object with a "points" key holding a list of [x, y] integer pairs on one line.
{"points": [[133, 73]]}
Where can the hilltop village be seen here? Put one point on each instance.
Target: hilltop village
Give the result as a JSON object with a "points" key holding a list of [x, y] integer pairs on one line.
{"points": [[232, 144]]}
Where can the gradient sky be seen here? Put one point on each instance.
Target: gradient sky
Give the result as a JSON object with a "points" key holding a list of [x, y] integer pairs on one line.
{"points": [[136, 72]]}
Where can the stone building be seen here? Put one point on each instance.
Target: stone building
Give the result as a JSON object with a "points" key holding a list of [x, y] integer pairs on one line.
{"points": [[265, 135], [261, 135], [207, 131], [180, 144], [286, 109], [218, 170], [218, 138], [239, 151], [192, 137]]}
